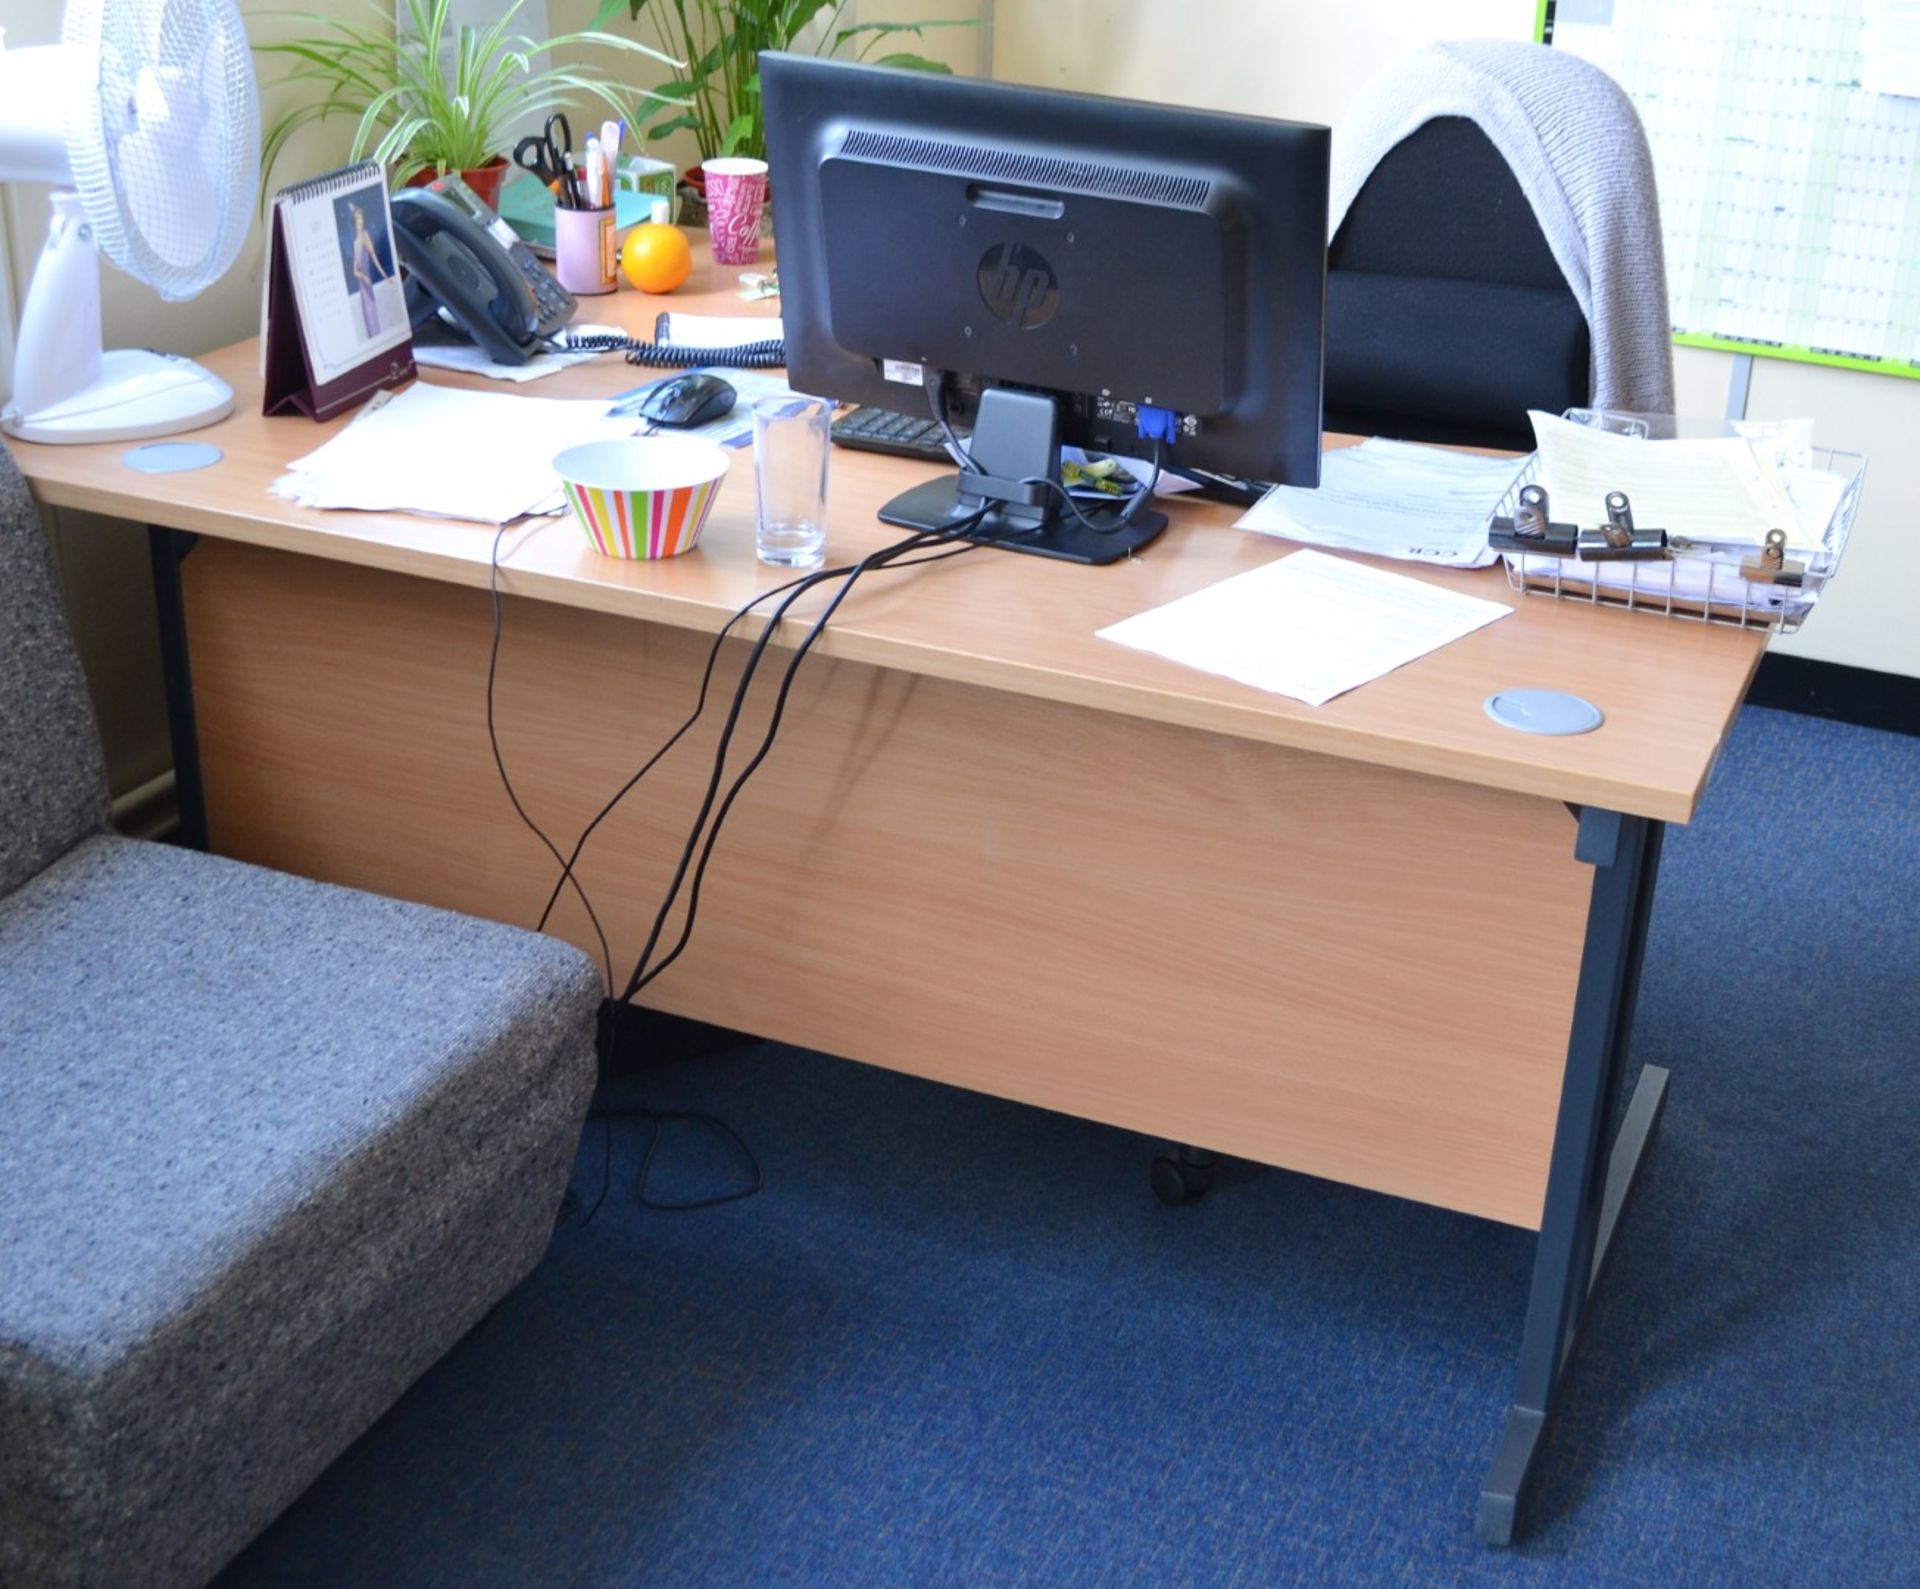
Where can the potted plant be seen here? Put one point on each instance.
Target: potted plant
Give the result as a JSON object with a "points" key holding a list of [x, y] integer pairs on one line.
{"points": [[430, 99], [716, 95]]}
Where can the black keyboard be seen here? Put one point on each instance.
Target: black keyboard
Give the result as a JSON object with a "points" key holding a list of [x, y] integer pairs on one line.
{"points": [[903, 435]]}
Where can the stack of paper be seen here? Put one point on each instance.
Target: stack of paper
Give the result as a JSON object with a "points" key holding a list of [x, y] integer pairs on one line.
{"points": [[1721, 494], [1309, 626], [1393, 499], [453, 454], [1720, 489]]}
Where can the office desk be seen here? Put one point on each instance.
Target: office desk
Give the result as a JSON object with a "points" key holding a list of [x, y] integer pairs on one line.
{"points": [[1369, 941]]}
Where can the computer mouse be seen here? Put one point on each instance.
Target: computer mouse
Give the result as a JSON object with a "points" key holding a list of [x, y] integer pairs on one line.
{"points": [[690, 399]]}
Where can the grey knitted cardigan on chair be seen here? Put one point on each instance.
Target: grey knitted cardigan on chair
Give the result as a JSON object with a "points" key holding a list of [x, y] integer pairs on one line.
{"points": [[1579, 153], [267, 1148]]}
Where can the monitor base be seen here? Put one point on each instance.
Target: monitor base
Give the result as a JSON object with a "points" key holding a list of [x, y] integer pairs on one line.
{"points": [[938, 505]]}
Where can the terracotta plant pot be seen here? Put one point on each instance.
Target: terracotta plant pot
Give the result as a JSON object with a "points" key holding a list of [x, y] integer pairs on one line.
{"points": [[484, 180]]}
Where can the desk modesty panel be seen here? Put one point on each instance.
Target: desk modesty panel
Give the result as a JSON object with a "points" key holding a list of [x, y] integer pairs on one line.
{"points": [[1280, 955], [989, 848]]}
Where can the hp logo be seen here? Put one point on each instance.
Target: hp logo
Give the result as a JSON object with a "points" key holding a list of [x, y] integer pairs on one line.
{"points": [[1018, 285]]}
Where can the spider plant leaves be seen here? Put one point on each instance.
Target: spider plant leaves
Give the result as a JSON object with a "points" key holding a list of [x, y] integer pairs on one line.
{"points": [[722, 40], [427, 95]]}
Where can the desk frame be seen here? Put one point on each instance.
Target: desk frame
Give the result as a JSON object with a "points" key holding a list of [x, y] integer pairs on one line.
{"points": [[1588, 1181], [1588, 1184]]}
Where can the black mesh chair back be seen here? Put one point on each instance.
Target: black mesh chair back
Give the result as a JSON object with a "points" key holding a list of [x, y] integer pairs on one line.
{"points": [[1447, 316]]}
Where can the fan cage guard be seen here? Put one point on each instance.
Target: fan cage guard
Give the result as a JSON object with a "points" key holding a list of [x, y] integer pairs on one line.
{"points": [[170, 208]]}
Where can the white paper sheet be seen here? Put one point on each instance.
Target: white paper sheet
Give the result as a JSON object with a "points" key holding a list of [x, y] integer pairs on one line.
{"points": [[465, 356], [1720, 490], [720, 331], [1393, 499], [468, 357], [1890, 57], [1308, 625], [449, 453]]}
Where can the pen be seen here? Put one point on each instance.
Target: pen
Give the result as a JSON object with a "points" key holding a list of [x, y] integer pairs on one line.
{"points": [[596, 199]]}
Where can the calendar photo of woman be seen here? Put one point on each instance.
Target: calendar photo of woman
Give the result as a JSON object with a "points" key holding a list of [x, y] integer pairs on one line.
{"points": [[366, 252]]}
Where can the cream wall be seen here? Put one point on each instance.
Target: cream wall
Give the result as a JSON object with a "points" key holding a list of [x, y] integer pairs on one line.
{"points": [[1306, 58], [103, 563]]}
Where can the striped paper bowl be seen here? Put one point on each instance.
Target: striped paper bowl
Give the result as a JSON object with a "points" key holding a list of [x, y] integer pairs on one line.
{"points": [[642, 496]]}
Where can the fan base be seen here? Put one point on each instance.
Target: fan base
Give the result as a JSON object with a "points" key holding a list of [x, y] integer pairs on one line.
{"points": [[139, 394]]}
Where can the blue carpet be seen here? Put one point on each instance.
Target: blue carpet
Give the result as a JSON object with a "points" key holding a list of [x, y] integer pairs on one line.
{"points": [[956, 1341]]}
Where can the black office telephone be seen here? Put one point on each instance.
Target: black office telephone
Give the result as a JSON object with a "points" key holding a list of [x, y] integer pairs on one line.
{"points": [[461, 270]]}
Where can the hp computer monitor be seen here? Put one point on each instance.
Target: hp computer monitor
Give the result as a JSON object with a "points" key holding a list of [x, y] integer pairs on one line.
{"points": [[1048, 267]]}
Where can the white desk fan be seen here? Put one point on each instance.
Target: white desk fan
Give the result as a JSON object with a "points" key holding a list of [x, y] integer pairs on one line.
{"points": [[146, 120]]}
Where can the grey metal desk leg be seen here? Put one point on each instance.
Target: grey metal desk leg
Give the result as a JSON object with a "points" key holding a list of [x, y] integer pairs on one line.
{"points": [[169, 547], [1586, 1185]]}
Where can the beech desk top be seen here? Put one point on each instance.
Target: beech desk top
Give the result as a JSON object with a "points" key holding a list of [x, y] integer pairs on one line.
{"points": [[998, 620]]}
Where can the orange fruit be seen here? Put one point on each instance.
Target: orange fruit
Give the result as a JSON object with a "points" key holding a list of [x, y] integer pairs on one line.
{"points": [[656, 258]]}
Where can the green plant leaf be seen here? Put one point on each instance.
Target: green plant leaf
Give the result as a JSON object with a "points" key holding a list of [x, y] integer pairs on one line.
{"points": [[739, 130], [881, 28], [914, 63], [412, 111]]}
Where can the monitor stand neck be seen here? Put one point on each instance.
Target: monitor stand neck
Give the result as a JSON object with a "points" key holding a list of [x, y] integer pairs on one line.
{"points": [[1017, 438]]}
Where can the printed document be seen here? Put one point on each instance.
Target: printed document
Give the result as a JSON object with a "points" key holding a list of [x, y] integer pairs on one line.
{"points": [[1723, 489], [718, 331], [1890, 52], [451, 453], [1309, 625], [1393, 499]]}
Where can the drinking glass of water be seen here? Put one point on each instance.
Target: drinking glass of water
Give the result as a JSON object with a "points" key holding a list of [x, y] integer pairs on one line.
{"points": [[790, 469]]}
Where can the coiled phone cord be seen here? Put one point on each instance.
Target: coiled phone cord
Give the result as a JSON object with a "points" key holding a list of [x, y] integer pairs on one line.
{"points": [[768, 355]]}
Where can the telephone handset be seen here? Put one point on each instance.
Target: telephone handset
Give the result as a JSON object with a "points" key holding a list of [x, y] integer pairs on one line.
{"points": [[460, 269]]}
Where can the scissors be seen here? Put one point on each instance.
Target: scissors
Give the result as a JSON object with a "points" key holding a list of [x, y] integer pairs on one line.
{"points": [[549, 156]]}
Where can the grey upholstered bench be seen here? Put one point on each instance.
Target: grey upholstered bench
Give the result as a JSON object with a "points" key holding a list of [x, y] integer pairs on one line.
{"points": [[267, 1148]]}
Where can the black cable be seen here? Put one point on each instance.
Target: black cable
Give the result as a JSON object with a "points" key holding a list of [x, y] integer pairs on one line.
{"points": [[700, 706], [936, 398], [645, 973], [1115, 525], [643, 970], [720, 1129], [500, 765], [660, 1119], [892, 556]]}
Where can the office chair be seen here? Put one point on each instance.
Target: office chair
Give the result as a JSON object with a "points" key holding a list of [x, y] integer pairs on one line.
{"points": [[1496, 246], [1447, 314]]}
